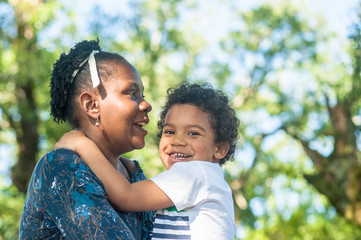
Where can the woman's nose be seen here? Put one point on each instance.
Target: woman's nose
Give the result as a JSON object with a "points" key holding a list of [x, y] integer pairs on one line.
{"points": [[145, 106]]}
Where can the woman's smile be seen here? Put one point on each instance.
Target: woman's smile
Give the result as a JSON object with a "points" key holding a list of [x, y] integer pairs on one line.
{"points": [[141, 124]]}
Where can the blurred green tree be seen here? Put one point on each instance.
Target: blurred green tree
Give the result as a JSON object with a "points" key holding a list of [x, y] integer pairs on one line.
{"points": [[24, 67], [295, 94], [297, 170]]}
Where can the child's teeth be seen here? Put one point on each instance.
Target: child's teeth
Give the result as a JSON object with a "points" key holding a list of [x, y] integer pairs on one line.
{"points": [[180, 155]]}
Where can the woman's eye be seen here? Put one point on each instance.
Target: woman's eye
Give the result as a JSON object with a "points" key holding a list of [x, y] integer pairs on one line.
{"points": [[133, 93]]}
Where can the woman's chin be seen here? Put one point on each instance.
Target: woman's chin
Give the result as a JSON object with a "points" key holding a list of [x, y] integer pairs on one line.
{"points": [[139, 145]]}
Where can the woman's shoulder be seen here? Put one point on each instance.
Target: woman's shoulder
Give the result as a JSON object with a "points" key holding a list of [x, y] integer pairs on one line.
{"points": [[62, 158], [63, 164]]}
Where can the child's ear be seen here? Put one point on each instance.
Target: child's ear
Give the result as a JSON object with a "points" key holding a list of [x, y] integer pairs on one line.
{"points": [[89, 104], [221, 150]]}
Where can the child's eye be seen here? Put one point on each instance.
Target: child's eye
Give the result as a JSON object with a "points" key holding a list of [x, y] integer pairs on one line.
{"points": [[169, 132], [193, 133]]}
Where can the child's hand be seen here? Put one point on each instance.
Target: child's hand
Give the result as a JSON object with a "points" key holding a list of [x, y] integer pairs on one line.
{"points": [[72, 140]]}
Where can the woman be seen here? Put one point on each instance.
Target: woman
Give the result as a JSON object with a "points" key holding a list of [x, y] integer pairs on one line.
{"points": [[100, 94]]}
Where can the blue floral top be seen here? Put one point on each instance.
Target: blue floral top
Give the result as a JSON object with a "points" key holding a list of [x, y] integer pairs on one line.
{"points": [[66, 200]]}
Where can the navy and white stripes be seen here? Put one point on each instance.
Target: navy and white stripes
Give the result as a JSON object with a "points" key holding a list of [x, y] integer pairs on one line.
{"points": [[171, 226]]}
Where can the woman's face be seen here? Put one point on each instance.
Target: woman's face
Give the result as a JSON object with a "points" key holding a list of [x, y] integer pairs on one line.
{"points": [[123, 111]]}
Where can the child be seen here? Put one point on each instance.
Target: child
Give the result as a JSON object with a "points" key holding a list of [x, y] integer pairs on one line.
{"points": [[198, 132]]}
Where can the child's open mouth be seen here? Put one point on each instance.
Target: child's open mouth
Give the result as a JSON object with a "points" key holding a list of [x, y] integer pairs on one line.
{"points": [[178, 156]]}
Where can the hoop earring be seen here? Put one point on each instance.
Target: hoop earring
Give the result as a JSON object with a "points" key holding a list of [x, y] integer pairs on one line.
{"points": [[97, 123]]}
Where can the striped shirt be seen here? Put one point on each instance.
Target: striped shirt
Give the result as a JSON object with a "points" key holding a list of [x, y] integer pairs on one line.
{"points": [[203, 200], [170, 224]]}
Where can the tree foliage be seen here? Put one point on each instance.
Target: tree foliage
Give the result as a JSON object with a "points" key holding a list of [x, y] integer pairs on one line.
{"points": [[297, 169], [24, 67], [11, 201], [299, 95]]}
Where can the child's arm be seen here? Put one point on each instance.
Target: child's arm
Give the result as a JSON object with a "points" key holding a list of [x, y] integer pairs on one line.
{"points": [[140, 196]]}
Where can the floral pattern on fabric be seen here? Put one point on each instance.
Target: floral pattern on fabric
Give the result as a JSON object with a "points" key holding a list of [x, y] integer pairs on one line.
{"points": [[65, 199]]}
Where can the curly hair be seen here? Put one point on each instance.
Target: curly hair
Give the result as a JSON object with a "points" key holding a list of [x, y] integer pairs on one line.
{"points": [[64, 87], [212, 101]]}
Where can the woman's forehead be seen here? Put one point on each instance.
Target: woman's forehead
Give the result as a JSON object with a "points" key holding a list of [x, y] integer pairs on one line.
{"points": [[125, 75]]}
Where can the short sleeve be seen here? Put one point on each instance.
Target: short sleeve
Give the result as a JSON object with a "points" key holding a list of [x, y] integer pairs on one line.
{"points": [[185, 183]]}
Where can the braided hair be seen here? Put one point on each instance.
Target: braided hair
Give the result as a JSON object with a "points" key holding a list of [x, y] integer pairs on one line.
{"points": [[212, 101], [65, 87]]}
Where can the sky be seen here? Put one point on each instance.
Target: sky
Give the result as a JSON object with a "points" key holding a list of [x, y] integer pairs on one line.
{"points": [[339, 13], [215, 18]]}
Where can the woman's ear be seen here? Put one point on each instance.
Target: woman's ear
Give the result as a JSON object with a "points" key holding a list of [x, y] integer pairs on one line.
{"points": [[89, 104], [221, 150]]}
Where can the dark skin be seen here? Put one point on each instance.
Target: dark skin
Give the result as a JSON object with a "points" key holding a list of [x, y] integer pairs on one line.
{"points": [[118, 105], [187, 132]]}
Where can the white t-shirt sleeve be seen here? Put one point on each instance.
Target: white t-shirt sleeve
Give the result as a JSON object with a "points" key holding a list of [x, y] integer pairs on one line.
{"points": [[184, 183]]}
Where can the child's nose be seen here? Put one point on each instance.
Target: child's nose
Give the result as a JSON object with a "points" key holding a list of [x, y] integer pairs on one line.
{"points": [[178, 140]]}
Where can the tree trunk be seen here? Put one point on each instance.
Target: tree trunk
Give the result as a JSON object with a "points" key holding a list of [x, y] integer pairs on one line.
{"points": [[339, 175], [26, 128], [27, 138]]}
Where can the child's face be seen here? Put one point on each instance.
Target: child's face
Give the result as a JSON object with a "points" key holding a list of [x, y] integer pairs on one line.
{"points": [[187, 136]]}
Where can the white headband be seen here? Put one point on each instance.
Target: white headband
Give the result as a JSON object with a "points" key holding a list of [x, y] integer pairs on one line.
{"points": [[92, 67]]}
